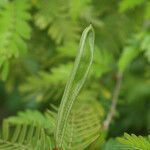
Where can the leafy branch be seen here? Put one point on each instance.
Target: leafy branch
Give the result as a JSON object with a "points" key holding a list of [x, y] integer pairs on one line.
{"points": [[133, 142], [76, 80], [14, 30]]}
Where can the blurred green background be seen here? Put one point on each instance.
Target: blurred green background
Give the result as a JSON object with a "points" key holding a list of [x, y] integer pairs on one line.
{"points": [[38, 44]]}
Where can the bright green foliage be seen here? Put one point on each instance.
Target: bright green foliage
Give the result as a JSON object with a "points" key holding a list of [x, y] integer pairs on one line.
{"points": [[131, 4], [127, 57], [60, 18], [46, 81], [76, 80], [112, 144], [83, 126], [13, 31], [36, 80], [77, 123], [76, 6], [141, 42], [23, 137], [53, 14], [45, 84], [147, 12], [29, 130], [128, 4], [128, 142], [145, 45], [133, 142], [33, 117]]}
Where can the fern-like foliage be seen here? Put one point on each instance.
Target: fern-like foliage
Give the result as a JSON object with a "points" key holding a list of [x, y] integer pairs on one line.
{"points": [[145, 45], [54, 15], [14, 31], [73, 126], [45, 85], [139, 42], [61, 18], [23, 137], [77, 78], [76, 6], [29, 130], [130, 52], [28, 117], [83, 125], [127, 4], [133, 142]]}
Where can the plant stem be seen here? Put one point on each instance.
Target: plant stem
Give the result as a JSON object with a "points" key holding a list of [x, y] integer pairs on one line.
{"points": [[115, 96]]}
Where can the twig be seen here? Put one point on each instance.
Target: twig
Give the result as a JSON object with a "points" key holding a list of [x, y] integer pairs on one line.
{"points": [[115, 96]]}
